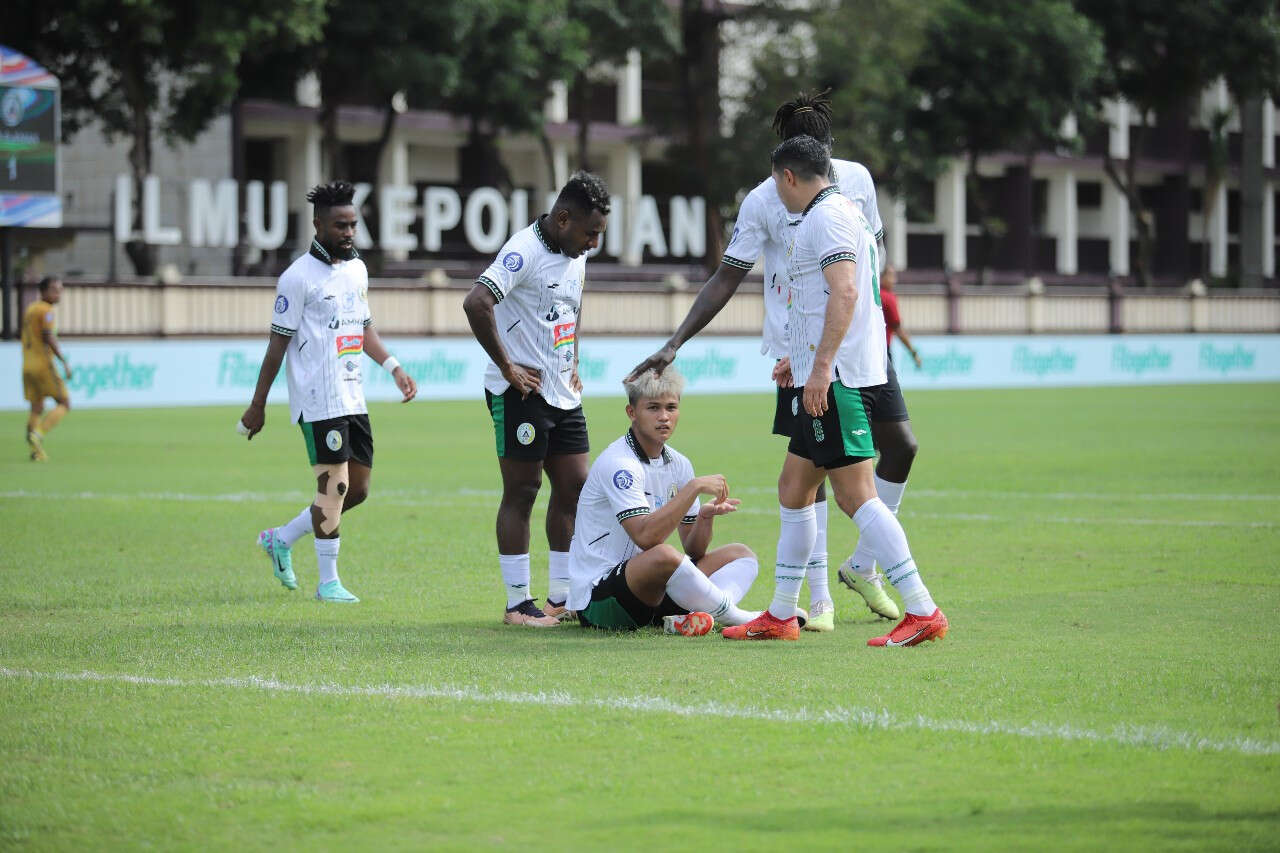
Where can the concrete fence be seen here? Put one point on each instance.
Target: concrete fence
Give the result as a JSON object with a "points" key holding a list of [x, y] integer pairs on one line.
{"points": [[232, 307]]}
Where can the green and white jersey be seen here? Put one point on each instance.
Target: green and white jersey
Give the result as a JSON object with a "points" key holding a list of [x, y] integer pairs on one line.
{"points": [[623, 483], [323, 307], [832, 229], [762, 229], [539, 293]]}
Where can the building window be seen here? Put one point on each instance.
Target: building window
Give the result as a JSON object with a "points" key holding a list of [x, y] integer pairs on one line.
{"points": [[1089, 194]]}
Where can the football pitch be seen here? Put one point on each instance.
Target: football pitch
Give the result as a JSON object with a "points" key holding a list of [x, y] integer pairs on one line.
{"points": [[1109, 560]]}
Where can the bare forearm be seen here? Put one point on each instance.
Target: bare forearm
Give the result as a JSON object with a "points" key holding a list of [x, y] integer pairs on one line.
{"points": [[698, 539], [840, 303], [373, 346], [713, 296], [270, 367], [485, 327], [654, 528]]}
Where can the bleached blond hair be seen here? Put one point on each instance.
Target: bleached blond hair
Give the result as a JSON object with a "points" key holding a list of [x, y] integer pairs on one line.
{"points": [[650, 385]]}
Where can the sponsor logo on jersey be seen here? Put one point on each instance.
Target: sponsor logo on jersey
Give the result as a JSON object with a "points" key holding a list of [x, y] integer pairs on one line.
{"points": [[623, 478], [333, 440], [282, 304], [349, 344], [857, 432], [564, 334], [525, 433], [348, 300], [512, 261]]}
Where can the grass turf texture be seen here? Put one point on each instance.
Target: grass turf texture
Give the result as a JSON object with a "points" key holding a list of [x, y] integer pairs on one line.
{"points": [[1110, 680]]}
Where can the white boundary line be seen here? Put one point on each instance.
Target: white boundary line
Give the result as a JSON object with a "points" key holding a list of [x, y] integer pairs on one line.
{"points": [[395, 497], [1145, 737]]}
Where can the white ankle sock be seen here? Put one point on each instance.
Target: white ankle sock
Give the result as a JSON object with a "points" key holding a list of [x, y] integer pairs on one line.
{"points": [[515, 576], [327, 558], [736, 576], [558, 577], [296, 528], [816, 569], [693, 590], [795, 544], [887, 542]]}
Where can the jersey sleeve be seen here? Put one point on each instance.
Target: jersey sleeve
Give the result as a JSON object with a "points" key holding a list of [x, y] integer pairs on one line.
{"points": [[508, 269], [291, 291], [871, 210], [625, 489], [837, 236], [686, 474], [748, 239]]}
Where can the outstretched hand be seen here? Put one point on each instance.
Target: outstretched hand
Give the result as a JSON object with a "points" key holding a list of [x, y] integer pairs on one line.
{"points": [[657, 362], [724, 507]]}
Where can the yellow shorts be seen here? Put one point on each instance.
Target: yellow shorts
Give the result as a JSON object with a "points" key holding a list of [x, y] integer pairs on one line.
{"points": [[43, 382]]}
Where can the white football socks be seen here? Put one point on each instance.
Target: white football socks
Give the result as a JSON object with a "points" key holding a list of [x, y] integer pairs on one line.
{"points": [[327, 558], [816, 569], [693, 590], [891, 494], [558, 577], [296, 528], [887, 543], [736, 576], [515, 576], [795, 544]]}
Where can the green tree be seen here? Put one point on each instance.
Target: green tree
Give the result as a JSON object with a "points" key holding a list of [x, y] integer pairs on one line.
{"points": [[510, 52], [1001, 76], [616, 27], [148, 66]]}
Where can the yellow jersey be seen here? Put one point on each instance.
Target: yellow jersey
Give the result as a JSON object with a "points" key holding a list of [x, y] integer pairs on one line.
{"points": [[36, 354]]}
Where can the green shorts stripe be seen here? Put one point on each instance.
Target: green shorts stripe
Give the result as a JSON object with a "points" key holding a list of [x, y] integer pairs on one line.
{"points": [[609, 614], [308, 436], [855, 426], [497, 407]]}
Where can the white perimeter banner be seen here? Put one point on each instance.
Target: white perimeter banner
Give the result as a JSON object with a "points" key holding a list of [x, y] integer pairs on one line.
{"points": [[128, 373]]}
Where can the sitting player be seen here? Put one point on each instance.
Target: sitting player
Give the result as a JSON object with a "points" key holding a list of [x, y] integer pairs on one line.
{"points": [[624, 574]]}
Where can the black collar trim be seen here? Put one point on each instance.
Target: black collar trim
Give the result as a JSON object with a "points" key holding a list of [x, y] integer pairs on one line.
{"points": [[831, 189], [537, 229], [634, 444], [320, 253]]}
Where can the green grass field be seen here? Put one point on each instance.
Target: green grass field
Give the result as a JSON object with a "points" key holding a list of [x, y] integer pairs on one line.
{"points": [[1108, 559]]}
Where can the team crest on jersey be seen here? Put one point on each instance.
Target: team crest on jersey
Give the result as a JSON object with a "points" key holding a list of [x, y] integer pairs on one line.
{"points": [[512, 261], [525, 433], [672, 491], [364, 294], [818, 434], [282, 304], [349, 344], [623, 478], [333, 440], [795, 406]]}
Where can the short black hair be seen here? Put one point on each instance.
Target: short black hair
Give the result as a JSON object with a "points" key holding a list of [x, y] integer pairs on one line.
{"points": [[808, 115], [47, 282], [805, 156], [584, 193], [332, 194]]}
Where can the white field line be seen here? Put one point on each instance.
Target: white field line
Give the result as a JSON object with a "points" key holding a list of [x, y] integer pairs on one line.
{"points": [[1144, 737], [403, 497]]}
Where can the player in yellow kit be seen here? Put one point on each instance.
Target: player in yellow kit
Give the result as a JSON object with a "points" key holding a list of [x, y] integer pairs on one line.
{"points": [[39, 379]]}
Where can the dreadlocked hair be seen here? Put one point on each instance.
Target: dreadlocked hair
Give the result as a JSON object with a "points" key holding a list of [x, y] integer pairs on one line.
{"points": [[808, 115], [584, 193], [332, 194]]}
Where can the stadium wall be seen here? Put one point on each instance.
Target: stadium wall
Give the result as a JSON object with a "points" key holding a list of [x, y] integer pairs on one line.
{"points": [[126, 374]]}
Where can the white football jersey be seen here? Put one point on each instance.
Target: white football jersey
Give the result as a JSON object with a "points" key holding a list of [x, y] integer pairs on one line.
{"points": [[539, 293], [761, 229], [833, 230], [623, 483], [324, 308]]}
